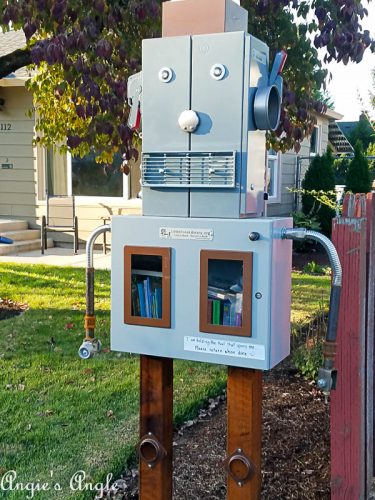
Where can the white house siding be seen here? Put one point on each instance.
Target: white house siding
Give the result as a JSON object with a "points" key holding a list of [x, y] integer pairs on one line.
{"points": [[18, 184], [289, 169]]}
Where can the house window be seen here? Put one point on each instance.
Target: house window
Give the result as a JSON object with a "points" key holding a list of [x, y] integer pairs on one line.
{"points": [[89, 178], [83, 177], [273, 176], [315, 141]]}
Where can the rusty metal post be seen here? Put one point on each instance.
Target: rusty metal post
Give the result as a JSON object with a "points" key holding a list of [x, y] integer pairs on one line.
{"points": [[244, 441], [156, 428]]}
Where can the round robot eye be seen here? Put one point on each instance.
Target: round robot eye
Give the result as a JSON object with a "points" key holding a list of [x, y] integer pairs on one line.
{"points": [[165, 75], [218, 71]]}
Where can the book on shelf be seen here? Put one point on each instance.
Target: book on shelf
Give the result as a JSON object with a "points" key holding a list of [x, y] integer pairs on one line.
{"points": [[226, 309], [147, 295]]}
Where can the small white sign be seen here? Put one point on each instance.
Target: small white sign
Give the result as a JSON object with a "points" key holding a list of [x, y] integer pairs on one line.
{"points": [[185, 233], [224, 348]]}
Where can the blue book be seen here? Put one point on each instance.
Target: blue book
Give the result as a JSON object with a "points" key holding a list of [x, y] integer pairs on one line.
{"points": [[159, 302], [142, 304], [226, 313], [148, 298]]}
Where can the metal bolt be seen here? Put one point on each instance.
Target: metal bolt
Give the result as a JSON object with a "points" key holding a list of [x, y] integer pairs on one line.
{"points": [[254, 236]]}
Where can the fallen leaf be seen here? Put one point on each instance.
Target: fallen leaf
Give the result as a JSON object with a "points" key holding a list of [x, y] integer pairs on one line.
{"points": [[69, 326]]}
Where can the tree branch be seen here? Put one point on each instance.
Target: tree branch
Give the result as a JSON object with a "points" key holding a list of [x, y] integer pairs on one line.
{"points": [[13, 61]]}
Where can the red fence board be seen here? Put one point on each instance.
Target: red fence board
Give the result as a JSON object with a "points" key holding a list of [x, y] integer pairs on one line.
{"points": [[348, 405]]}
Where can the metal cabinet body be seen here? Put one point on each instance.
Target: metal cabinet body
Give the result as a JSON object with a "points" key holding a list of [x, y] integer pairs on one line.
{"points": [[226, 125], [267, 341]]}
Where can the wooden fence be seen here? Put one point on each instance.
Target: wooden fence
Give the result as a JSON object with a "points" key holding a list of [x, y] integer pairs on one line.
{"points": [[352, 403]]}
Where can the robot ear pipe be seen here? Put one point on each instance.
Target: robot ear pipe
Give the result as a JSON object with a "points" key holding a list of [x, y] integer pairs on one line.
{"points": [[90, 345], [327, 374]]}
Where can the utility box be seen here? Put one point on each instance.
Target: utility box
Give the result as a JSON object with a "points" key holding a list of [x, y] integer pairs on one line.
{"points": [[216, 170], [201, 289]]}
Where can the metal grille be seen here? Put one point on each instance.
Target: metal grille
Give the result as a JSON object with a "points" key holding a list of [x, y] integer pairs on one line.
{"points": [[200, 170]]}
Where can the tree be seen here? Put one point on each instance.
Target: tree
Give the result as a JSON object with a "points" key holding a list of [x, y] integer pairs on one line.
{"points": [[85, 50], [363, 132], [319, 177], [358, 179]]}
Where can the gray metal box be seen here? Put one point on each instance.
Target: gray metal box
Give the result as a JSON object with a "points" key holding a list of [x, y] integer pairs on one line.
{"points": [[259, 340], [226, 127]]}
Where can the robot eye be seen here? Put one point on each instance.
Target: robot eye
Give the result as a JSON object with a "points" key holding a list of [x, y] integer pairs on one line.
{"points": [[218, 71], [165, 75]]}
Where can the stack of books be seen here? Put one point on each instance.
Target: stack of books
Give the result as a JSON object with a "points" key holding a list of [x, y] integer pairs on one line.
{"points": [[146, 295], [224, 307]]}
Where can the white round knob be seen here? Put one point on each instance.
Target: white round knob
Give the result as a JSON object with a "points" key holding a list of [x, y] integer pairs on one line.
{"points": [[188, 120]]}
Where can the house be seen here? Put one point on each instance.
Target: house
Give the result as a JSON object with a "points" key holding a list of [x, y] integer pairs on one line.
{"points": [[27, 173], [287, 170]]}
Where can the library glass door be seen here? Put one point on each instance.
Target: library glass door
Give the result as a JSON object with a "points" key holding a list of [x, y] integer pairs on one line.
{"points": [[147, 286], [225, 292]]}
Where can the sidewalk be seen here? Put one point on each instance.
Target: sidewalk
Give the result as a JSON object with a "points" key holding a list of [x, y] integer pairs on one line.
{"points": [[59, 257]]}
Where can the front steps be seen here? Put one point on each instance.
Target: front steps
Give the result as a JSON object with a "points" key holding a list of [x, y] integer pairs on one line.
{"points": [[24, 239]]}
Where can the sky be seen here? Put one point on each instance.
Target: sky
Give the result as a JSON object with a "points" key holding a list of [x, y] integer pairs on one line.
{"points": [[348, 80]]}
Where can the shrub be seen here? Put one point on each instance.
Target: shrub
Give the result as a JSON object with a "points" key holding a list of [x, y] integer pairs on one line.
{"points": [[308, 358], [319, 177], [314, 268], [340, 168], [358, 178], [307, 221]]}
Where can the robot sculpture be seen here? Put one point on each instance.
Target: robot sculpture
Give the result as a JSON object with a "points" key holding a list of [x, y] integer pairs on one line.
{"points": [[202, 274]]}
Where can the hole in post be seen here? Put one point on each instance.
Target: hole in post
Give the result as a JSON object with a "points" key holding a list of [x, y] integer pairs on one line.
{"points": [[239, 468], [149, 450]]}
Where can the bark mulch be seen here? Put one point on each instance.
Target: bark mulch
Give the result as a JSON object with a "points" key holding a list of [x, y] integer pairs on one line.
{"points": [[295, 442]]}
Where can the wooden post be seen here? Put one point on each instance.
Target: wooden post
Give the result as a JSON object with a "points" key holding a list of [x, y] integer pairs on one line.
{"points": [[244, 441], [348, 401], [156, 428]]}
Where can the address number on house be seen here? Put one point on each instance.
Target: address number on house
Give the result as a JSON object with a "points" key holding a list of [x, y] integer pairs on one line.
{"points": [[5, 127]]}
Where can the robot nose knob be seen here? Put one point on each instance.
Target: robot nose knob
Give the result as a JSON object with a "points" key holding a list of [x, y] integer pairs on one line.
{"points": [[188, 121]]}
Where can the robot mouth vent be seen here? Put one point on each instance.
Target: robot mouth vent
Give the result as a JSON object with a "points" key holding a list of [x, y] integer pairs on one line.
{"points": [[190, 169]]}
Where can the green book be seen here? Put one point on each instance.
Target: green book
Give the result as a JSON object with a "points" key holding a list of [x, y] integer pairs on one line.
{"points": [[216, 312]]}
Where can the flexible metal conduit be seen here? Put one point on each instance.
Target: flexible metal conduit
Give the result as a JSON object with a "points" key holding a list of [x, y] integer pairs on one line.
{"points": [[90, 277], [90, 345], [327, 374]]}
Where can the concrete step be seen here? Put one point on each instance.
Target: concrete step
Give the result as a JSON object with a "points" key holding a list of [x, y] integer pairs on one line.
{"points": [[12, 225], [22, 235], [19, 247]]}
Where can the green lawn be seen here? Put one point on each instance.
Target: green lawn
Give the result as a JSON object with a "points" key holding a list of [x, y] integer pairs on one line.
{"points": [[59, 414]]}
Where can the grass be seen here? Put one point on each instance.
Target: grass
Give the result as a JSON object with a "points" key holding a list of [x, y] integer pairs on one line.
{"points": [[58, 414]]}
